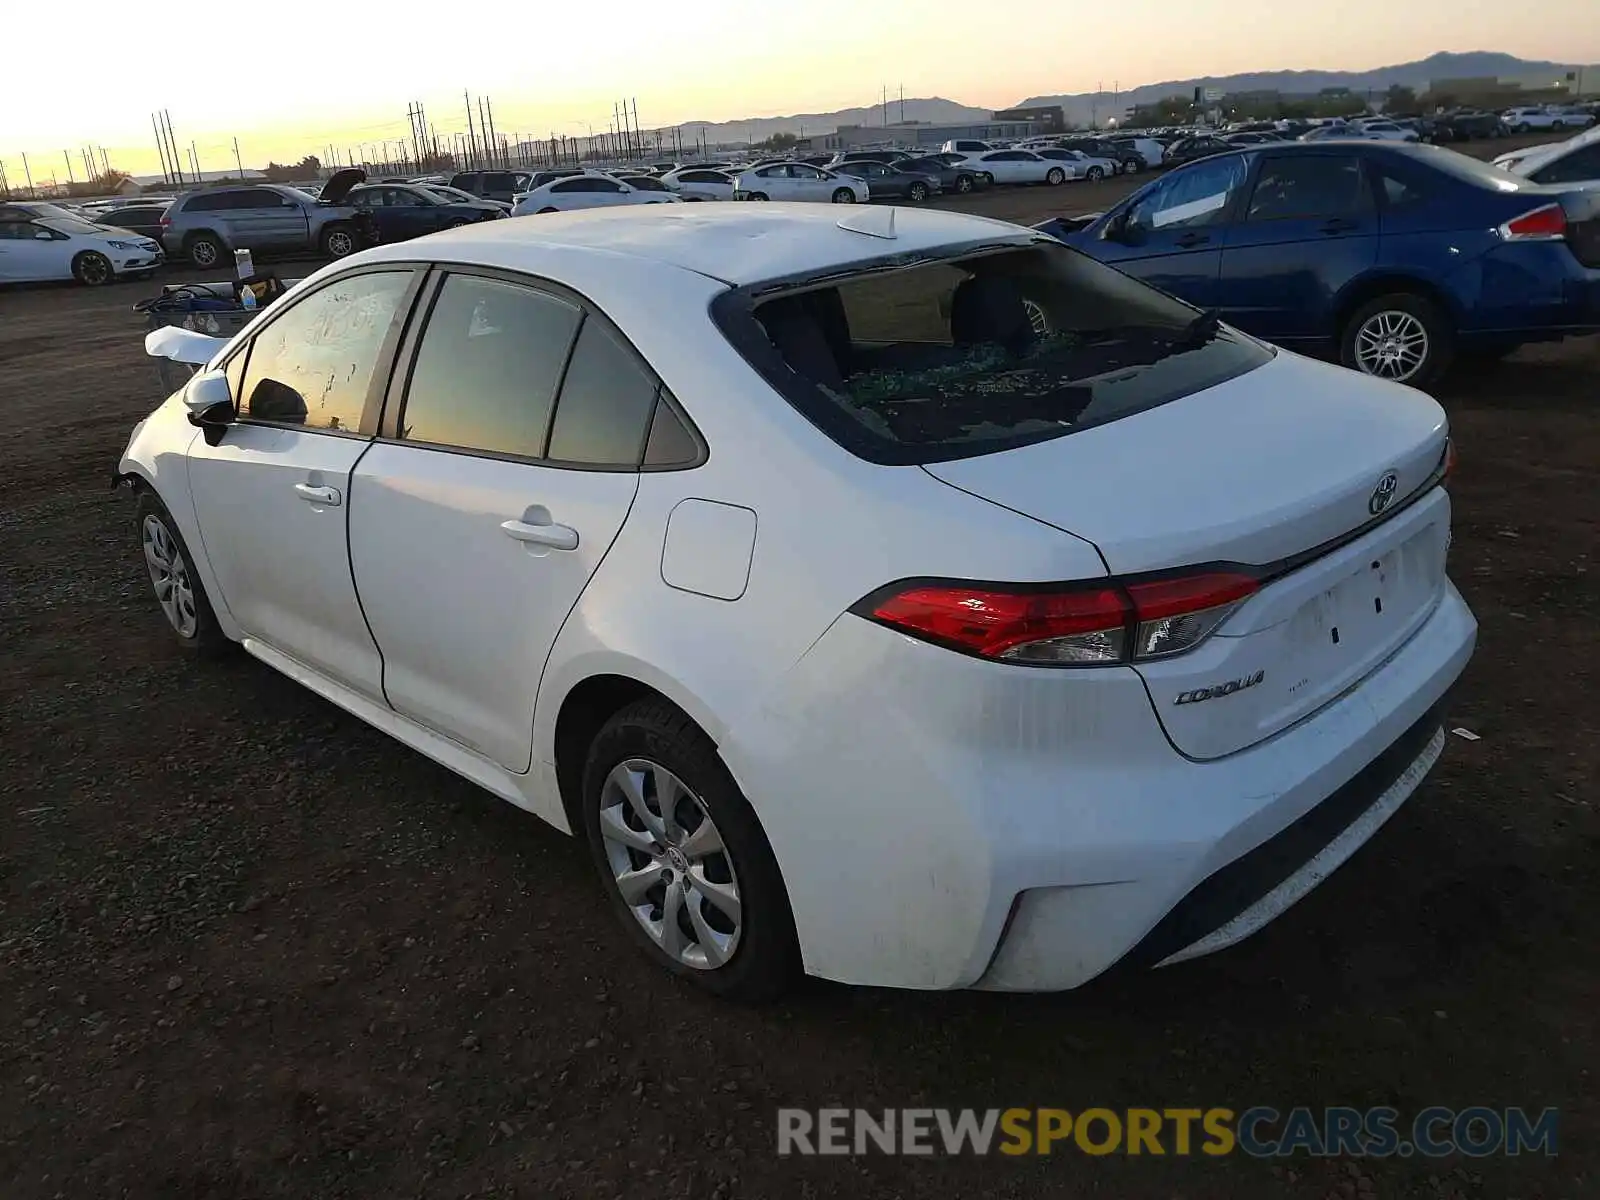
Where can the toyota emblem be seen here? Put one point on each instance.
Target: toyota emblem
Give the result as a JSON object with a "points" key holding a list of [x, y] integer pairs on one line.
{"points": [[1383, 495]]}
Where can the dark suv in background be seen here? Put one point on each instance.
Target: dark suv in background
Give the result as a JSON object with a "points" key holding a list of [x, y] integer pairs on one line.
{"points": [[504, 186], [207, 226]]}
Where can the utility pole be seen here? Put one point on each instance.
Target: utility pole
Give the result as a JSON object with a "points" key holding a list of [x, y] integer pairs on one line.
{"points": [[68, 157], [194, 159], [237, 161], [26, 173], [902, 104], [161, 149], [172, 147], [472, 137], [494, 137], [105, 163], [636, 124]]}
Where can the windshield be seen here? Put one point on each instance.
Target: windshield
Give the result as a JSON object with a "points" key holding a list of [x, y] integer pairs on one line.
{"points": [[77, 225], [976, 350], [56, 212]]}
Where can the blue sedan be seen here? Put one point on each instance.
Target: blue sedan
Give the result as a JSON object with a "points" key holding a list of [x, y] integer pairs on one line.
{"points": [[1395, 257]]}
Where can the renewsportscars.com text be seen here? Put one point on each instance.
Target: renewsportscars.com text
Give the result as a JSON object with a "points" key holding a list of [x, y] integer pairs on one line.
{"points": [[1260, 1132]]}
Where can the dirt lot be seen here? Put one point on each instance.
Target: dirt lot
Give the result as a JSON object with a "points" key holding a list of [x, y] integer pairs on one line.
{"points": [[251, 948]]}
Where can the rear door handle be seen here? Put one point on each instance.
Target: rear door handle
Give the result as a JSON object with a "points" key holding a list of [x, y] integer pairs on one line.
{"points": [[1193, 239], [556, 537], [1338, 225], [318, 495]]}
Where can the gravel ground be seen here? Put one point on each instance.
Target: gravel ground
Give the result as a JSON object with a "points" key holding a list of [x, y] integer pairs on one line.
{"points": [[251, 948]]}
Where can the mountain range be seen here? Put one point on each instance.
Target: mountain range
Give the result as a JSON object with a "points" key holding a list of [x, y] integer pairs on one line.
{"points": [[1081, 107]]}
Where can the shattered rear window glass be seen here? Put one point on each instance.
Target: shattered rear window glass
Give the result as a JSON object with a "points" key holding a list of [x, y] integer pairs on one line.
{"points": [[968, 354]]}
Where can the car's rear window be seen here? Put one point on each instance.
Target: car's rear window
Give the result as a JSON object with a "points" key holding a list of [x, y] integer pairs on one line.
{"points": [[944, 356]]}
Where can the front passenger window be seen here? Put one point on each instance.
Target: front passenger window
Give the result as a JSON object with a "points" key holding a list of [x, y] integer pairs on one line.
{"points": [[312, 365]]}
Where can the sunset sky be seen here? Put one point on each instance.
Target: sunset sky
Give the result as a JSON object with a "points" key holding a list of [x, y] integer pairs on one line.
{"points": [[271, 78]]}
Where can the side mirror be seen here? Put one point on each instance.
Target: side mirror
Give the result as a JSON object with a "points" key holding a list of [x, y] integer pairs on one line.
{"points": [[209, 400]]}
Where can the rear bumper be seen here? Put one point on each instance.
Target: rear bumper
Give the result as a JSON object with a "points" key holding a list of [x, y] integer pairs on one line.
{"points": [[1529, 292], [945, 822]]}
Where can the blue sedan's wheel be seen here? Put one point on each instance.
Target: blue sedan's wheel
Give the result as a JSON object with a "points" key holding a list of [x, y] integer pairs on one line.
{"points": [[1402, 337]]}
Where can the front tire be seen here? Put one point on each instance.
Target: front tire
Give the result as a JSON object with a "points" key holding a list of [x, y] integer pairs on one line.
{"points": [[1134, 166], [682, 857], [758, 196], [1401, 337], [1055, 177], [963, 184], [173, 579], [843, 196], [1095, 174], [338, 241], [918, 192], [93, 269]]}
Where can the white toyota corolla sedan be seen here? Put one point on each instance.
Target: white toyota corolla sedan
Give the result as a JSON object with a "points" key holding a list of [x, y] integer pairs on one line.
{"points": [[892, 595]]}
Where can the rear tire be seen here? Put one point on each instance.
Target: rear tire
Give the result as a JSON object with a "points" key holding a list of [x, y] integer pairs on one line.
{"points": [[918, 192], [172, 575], [93, 269], [205, 250], [1095, 174], [1134, 166], [1401, 337], [650, 743], [1055, 177], [963, 184], [758, 196], [843, 196], [338, 241]]}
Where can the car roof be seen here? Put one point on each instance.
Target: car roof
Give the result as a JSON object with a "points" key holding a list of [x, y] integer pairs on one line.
{"points": [[736, 244]]}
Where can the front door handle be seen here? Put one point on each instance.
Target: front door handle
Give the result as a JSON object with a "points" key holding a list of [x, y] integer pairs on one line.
{"points": [[1338, 225], [318, 495], [556, 537], [1193, 239]]}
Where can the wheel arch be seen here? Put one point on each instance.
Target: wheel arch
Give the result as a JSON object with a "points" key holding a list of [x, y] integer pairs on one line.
{"points": [[1382, 283], [585, 708]]}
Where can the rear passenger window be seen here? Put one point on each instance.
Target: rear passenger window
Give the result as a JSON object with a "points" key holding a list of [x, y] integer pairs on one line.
{"points": [[487, 368], [606, 403], [1397, 192]]}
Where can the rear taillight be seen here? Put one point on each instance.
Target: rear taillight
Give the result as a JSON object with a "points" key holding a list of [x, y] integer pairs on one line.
{"points": [[1448, 466], [1543, 224], [166, 221], [1099, 622]]}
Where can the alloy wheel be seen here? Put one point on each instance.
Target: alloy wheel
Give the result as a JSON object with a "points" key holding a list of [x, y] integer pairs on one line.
{"points": [[204, 252], [670, 864], [340, 243], [844, 196], [169, 575], [94, 269], [1391, 345]]}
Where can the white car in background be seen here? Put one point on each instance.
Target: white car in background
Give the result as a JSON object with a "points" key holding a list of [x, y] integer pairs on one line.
{"points": [[1384, 131], [769, 550], [1576, 160], [1080, 165], [1019, 166], [801, 182], [1530, 120], [700, 183], [592, 189], [1151, 151], [42, 242]]}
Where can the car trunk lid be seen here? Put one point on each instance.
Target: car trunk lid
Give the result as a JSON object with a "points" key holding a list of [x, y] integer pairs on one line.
{"points": [[339, 185], [1295, 471]]}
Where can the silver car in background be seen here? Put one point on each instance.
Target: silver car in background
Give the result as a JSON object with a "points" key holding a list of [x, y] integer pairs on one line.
{"points": [[207, 226]]}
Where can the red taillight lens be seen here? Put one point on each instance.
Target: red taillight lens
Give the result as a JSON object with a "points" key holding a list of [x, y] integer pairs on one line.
{"points": [[1099, 622], [166, 221], [1449, 459], [1544, 224]]}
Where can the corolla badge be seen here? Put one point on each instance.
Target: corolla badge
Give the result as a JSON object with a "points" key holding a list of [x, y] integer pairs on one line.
{"points": [[1216, 691], [1383, 495]]}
